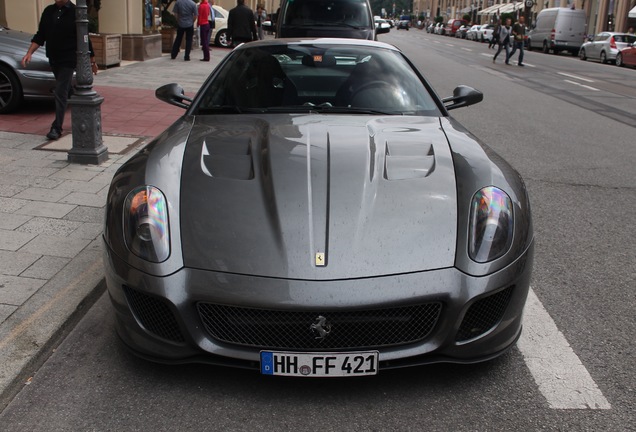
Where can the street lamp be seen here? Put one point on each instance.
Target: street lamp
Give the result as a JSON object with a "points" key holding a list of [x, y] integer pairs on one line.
{"points": [[86, 114]]}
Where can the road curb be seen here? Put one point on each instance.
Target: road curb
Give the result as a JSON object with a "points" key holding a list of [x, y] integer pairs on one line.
{"points": [[30, 336]]}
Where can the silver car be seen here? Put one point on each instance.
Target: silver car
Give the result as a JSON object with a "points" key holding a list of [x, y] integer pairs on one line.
{"points": [[18, 83], [604, 46], [317, 212]]}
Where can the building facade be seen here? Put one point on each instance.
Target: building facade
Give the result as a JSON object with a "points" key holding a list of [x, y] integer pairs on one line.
{"points": [[602, 15], [133, 19]]}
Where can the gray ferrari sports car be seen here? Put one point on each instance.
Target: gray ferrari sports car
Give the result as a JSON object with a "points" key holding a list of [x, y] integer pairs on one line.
{"points": [[317, 212]]}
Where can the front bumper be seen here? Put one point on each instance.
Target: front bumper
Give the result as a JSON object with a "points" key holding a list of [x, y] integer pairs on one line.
{"points": [[159, 318]]}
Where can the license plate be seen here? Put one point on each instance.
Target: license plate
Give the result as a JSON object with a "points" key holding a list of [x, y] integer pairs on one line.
{"points": [[319, 364]]}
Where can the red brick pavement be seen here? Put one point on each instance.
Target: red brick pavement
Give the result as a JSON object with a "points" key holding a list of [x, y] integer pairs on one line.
{"points": [[125, 111]]}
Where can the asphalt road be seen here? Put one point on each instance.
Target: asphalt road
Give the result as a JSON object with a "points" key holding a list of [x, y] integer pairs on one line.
{"points": [[574, 146]]}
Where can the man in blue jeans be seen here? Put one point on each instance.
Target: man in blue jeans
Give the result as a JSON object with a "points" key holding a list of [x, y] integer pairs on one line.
{"points": [[58, 30], [518, 36], [186, 13]]}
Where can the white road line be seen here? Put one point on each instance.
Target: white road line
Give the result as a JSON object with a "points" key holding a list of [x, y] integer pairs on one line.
{"points": [[467, 49], [575, 77], [581, 85], [557, 370]]}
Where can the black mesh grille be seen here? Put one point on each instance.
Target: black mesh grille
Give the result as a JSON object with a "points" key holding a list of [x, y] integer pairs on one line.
{"points": [[272, 329], [154, 315], [483, 315]]}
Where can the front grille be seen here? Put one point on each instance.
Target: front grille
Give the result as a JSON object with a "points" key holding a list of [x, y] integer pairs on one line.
{"points": [[154, 315], [275, 329], [483, 315]]}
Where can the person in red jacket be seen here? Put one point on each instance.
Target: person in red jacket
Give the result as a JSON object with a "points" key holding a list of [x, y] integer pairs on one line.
{"points": [[206, 23]]}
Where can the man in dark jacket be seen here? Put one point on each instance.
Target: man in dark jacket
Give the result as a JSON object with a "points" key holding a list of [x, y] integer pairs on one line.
{"points": [[240, 24], [58, 29]]}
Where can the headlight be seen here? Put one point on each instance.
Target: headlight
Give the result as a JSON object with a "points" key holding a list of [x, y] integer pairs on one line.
{"points": [[146, 224], [491, 224]]}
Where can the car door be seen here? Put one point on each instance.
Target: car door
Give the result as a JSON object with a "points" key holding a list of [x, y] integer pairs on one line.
{"points": [[594, 50]]}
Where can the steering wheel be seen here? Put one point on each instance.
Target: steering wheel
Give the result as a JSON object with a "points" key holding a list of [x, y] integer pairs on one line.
{"points": [[370, 86]]}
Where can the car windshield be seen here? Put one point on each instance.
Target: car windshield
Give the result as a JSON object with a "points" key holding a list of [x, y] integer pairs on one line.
{"points": [[328, 12], [327, 78]]}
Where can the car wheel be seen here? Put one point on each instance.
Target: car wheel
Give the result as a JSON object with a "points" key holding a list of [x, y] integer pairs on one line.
{"points": [[603, 57], [221, 39], [619, 60], [10, 91], [546, 49], [582, 55], [529, 45]]}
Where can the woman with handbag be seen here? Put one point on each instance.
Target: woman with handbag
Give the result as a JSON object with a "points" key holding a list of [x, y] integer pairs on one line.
{"points": [[206, 24]]}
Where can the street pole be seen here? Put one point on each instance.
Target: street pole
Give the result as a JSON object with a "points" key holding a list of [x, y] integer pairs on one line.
{"points": [[86, 114]]}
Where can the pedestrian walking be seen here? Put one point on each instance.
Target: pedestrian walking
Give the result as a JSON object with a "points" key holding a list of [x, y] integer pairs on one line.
{"points": [[518, 36], [494, 40], [259, 17], [58, 30], [504, 40], [241, 26], [206, 23], [186, 13]]}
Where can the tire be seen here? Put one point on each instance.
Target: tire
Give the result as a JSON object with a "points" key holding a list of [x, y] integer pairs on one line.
{"points": [[619, 60], [603, 57], [529, 45], [221, 39], [582, 55], [10, 90], [546, 48]]}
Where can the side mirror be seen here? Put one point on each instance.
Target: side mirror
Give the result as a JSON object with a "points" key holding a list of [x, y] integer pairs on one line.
{"points": [[463, 96], [174, 95]]}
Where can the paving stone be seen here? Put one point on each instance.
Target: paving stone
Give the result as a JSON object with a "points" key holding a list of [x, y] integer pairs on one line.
{"points": [[10, 221], [86, 214], [41, 194], [84, 199], [71, 173], [13, 240], [6, 311], [8, 191], [54, 210], [46, 267], [15, 290], [29, 171], [42, 182], [80, 186], [50, 226], [14, 263], [89, 231], [11, 205], [65, 247]]}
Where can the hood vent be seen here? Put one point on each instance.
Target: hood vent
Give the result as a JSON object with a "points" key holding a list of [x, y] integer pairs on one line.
{"points": [[229, 160], [408, 160]]}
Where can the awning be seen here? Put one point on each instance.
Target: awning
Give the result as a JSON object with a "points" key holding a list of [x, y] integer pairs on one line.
{"points": [[489, 10], [632, 13], [466, 10], [511, 7], [501, 8]]}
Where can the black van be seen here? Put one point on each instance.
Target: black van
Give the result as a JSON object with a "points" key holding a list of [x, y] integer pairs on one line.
{"points": [[351, 19]]}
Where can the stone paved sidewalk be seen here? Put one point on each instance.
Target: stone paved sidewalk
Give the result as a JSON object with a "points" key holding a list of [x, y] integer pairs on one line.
{"points": [[51, 212]]}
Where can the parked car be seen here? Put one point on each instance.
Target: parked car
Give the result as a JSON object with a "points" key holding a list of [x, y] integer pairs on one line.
{"points": [[452, 26], [461, 32], [431, 28], [219, 34], [485, 32], [558, 29], [440, 29], [472, 33], [627, 56], [605, 46], [382, 24], [259, 230], [18, 83]]}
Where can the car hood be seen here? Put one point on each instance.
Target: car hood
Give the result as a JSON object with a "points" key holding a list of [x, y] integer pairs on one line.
{"points": [[16, 43], [318, 197]]}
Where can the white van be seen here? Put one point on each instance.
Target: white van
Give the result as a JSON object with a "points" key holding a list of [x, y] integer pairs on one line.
{"points": [[558, 29]]}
